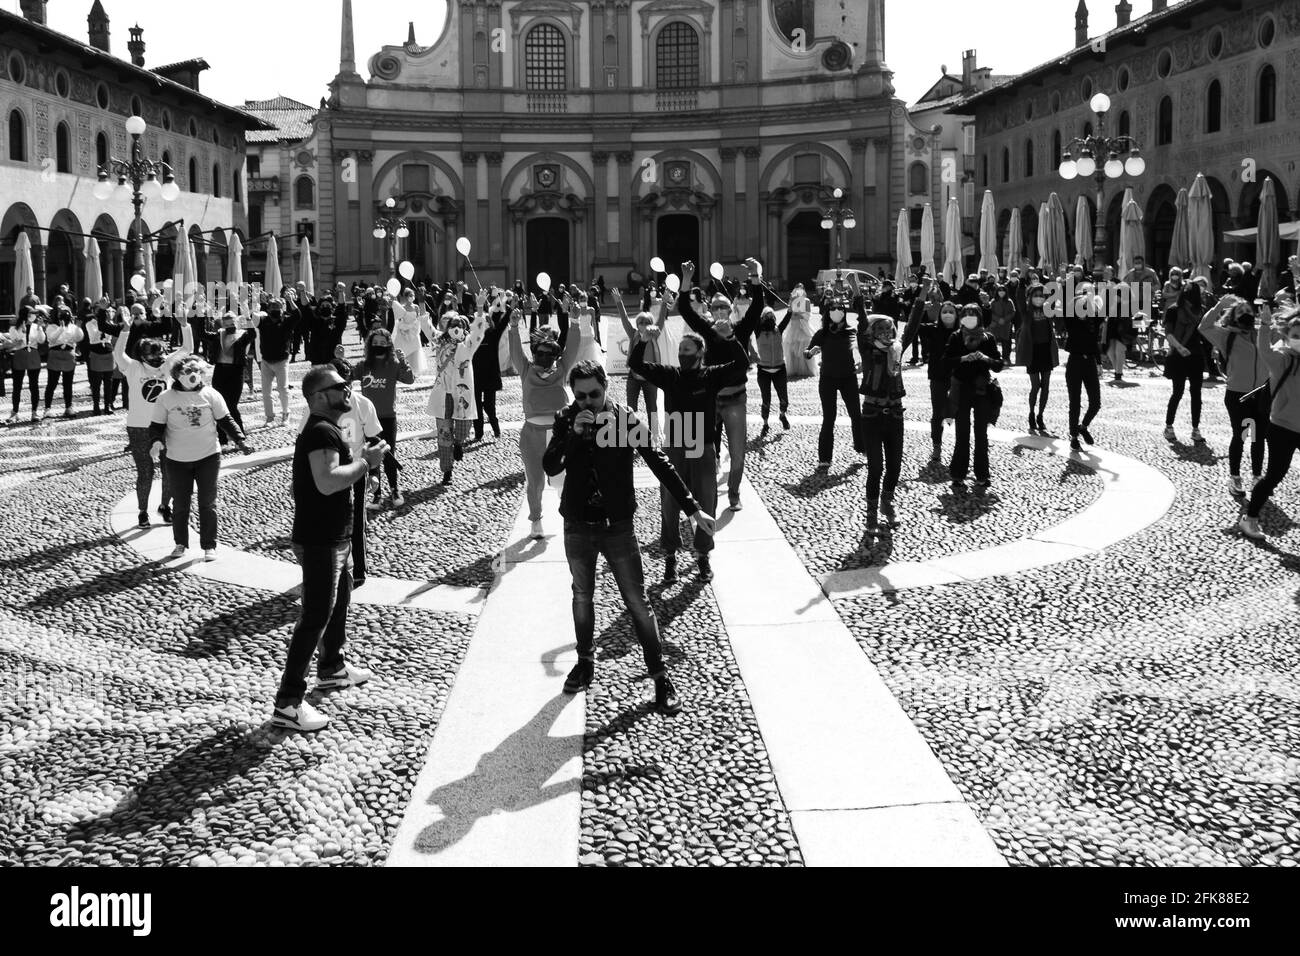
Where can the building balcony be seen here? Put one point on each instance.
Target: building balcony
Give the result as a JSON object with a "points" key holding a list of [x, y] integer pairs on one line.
{"points": [[548, 102], [261, 185], [676, 101]]}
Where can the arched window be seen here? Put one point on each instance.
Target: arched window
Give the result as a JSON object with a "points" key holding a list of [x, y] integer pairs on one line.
{"points": [[546, 58], [1029, 158], [1087, 129], [101, 150], [234, 186], [1266, 101], [304, 193], [216, 181], [166, 156], [677, 58], [1125, 123], [194, 175], [63, 148], [1165, 122], [1006, 165], [918, 180], [1214, 107], [1057, 150], [17, 137]]}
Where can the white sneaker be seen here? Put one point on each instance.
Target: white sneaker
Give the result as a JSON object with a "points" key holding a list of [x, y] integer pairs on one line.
{"points": [[537, 530], [177, 552], [399, 501], [1170, 434], [1235, 486], [209, 554], [348, 677], [1250, 527], [303, 717]]}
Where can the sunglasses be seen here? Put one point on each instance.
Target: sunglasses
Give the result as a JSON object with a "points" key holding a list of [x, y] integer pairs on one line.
{"points": [[336, 387]]}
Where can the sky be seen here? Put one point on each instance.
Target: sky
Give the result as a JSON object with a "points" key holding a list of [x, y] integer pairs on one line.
{"points": [[260, 49]]}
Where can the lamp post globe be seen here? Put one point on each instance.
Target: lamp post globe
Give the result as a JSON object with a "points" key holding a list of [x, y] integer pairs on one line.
{"points": [[1100, 103], [136, 126]]}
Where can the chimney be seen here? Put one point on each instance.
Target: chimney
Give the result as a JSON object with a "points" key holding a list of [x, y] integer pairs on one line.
{"points": [[136, 46], [967, 70], [1081, 25], [1123, 13], [34, 10], [410, 34], [98, 21]]}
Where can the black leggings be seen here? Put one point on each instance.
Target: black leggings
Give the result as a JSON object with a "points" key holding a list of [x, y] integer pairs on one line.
{"points": [[1040, 386], [1081, 374], [766, 380], [1180, 384], [1257, 408], [101, 387], [833, 390], [33, 386], [883, 434], [228, 380], [938, 409], [52, 384], [1282, 445], [389, 428], [486, 401]]}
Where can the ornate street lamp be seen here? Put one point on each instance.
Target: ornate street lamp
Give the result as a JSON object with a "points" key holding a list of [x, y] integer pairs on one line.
{"points": [[137, 180], [1102, 157], [837, 218], [391, 226]]}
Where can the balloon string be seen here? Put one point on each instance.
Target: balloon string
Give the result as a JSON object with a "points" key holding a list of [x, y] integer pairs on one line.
{"points": [[474, 272]]}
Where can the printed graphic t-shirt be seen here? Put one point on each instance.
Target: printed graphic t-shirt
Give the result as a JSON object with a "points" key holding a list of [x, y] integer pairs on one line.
{"points": [[191, 419]]}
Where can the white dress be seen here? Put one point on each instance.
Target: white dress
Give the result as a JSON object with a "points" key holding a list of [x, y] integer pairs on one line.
{"points": [[407, 325], [798, 334], [590, 350]]}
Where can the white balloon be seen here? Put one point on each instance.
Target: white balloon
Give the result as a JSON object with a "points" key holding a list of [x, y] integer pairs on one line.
{"points": [[657, 265], [674, 284], [463, 246], [394, 286], [137, 283], [544, 281], [717, 271], [407, 270]]}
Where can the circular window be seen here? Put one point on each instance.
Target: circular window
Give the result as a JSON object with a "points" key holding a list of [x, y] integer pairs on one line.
{"points": [[1087, 88], [1165, 65], [1123, 79], [1216, 44], [194, 129], [167, 119], [838, 56], [101, 96], [1056, 102], [62, 85], [1267, 31], [137, 108], [17, 68]]}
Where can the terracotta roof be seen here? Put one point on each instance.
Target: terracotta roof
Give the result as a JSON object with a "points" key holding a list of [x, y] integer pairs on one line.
{"points": [[13, 23], [290, 119], [198, 63]]}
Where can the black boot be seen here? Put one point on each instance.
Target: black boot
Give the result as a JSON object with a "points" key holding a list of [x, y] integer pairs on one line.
{"points": [[446, 478], [705, 568], [887, 512], [670, 567], [457, 451], [1042, 427], [873, 525], [785, 422], [478, 431], [766, 428], [1033, 425], [666, 701], [581, 676], [496, 429]]}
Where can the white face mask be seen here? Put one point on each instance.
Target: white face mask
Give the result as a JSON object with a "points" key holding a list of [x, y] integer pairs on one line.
{"points": [[969, 322], [837, 316]]}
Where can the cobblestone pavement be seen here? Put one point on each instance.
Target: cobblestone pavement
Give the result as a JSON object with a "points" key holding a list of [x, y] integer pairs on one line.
{"points": [[1139, 707]]}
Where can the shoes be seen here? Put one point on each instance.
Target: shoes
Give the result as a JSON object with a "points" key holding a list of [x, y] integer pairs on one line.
{"points": [[478, 432], [1250, 528], [785, 422], [1197, 436], [1170, 434], [1042, 427], [873, 525], [496, 430], [666, 701], [358, 580], [670, 567], [1087, 436], [144, 520], [1235, 487], [982, 485], [457, 451], [303, 717], [209, 554], [823, 467], [766, 428], [349, 676], [958, 487], [705, 568], [69, 413], [1033, 425], [734, 502], [888, 513], [178, 552], [446, 478], [580, 677], [537, 533], [166, 512], [399, 501], [1074, 445], [373, 504]]}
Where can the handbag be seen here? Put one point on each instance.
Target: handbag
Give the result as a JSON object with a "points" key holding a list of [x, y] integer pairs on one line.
{"points": [[994, 397]]}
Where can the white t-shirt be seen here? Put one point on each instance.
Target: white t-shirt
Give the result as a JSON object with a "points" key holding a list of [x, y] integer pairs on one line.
{"points": [[357, 424], [191, 419]]}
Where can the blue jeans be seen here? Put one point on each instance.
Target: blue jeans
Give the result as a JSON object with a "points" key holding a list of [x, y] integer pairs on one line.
{"points": [[182, 476], [617, 541], [326, 596], [732, 418]]}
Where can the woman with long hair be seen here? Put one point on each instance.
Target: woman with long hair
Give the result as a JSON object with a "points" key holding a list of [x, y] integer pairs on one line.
{"points": [[1038, 352], [1185, 365], [934, 338], [1279, 345], [882, 414], [1230, 328], [451, 403]]}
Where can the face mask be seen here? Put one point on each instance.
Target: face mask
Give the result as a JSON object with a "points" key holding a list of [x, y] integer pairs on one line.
{"points": [[190, 380], [837, 316], [969, 323], [155, 359], [457, 334], [689, 362], [380, 351], [1002, 295]]}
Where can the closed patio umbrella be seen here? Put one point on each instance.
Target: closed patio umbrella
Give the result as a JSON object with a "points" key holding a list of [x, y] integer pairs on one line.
{"points": [[272, 281], [235, 274], [1044, 238], [1083, 232], [927, 240], [1178, 248], [902, 248], [1056, 231], [24, 277], [1268, 241], [150, 265], [1132, 244], [305, 275], [1200, 227], [1015, 252], [94, 280], [953, 270], [988, 234]]}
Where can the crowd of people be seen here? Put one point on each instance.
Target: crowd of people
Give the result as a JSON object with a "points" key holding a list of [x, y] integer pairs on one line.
{"points": [[181, 374]]}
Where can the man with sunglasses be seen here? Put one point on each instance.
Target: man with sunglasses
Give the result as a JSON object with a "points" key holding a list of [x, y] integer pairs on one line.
{"points": [[324, 474]]}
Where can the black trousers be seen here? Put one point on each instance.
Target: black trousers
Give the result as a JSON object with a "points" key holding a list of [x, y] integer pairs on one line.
{"points": [[228, 380], [938, 409], [1282, 445], [832, 391], [1081, 374], [1255, 408], [389, 427], [101, 386], [884, 437], [768, 379], [486, 401], [962, 454], [33, 386], [51, 385]]}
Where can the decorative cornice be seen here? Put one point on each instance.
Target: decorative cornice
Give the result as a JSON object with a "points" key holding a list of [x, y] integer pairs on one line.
{"points": [[624, 157], [469, 159], [753, 152], [728, 154], [494, 159], [366, 156], [599, 157]]}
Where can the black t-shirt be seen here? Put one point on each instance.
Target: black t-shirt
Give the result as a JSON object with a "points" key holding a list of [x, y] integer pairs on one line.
{"points": [[319, 519]]}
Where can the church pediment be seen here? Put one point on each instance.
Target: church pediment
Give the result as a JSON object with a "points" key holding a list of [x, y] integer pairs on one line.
{"points": [[548, 8], [662, 8]]}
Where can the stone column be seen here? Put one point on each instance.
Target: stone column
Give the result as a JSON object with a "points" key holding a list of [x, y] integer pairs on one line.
{"points": [[469, 176], [877, 215], [627, 247], [375, 262], [858, 198], [346, 251], [496, 250], [730, 203], [600, 166], [752, 214]]}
